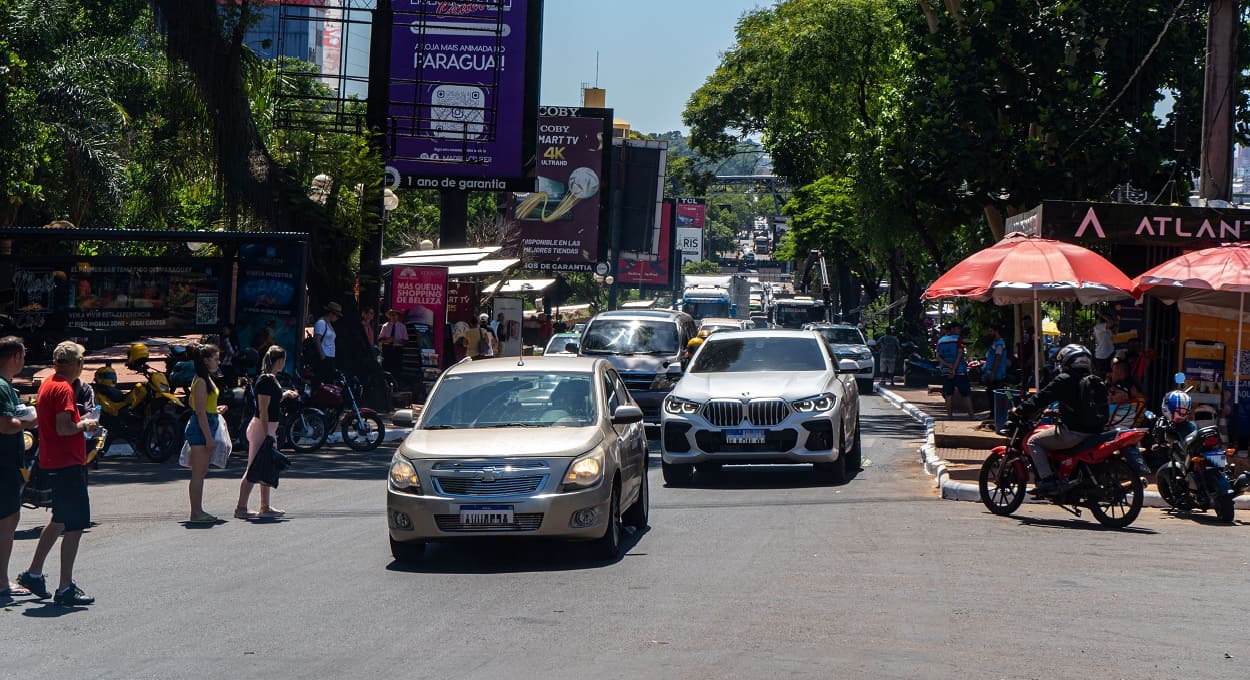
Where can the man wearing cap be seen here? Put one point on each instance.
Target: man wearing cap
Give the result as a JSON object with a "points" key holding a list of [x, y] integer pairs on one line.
{"points": [[393, 337], [324, 339], [492, 340]]}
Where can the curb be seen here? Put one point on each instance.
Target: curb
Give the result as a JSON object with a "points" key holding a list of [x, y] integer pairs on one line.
{"points": [[962, 491]]}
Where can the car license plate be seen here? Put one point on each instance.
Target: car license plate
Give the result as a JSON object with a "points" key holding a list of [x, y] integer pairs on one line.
{"points": [[486, 515], [745, 436]]}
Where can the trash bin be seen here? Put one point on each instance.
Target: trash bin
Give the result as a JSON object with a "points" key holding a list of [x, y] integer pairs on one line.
{"points": [[1004, 399]]}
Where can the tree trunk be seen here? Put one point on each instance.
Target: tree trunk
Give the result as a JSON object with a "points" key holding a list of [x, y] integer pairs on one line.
{"points": [[998, 224], [196, 37]]}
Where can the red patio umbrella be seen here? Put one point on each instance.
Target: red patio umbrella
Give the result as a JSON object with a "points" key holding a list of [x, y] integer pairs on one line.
{"points": [[1211, 282], [1022, 269]]}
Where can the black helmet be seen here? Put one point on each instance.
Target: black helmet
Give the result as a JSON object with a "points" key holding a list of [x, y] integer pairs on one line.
{"points": [[1075, 356], [246, 358]]}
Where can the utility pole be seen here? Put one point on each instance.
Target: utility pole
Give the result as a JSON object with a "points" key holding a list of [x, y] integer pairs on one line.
{"points": [[1219, 97], [377, 107]]}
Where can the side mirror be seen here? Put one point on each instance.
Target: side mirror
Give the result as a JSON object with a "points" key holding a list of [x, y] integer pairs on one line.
{"points": [[1149, 415], [1179, 379], [626, 414], [847, 366], [403, 418]]}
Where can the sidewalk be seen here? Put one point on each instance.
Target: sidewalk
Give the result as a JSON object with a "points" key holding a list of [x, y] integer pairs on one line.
{"points": [[955, 448]]}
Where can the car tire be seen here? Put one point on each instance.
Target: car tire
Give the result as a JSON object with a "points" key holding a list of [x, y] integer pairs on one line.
{"points": [[835, 472], [406, 552], [866, 386], [677, 474], [608, 546], [639, 514], [855, 457]]}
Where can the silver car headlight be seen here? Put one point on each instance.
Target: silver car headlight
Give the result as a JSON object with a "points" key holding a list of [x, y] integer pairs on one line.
{"points": [[403, 475], [680, 407], [585, 471], [817, 404]]}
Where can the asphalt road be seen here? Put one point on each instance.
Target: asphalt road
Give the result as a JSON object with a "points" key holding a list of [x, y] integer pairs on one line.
{"points": [[761, 573]]}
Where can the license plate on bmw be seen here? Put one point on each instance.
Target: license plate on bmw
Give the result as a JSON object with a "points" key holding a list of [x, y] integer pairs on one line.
{"points": [[486, 515], [745, 436]]}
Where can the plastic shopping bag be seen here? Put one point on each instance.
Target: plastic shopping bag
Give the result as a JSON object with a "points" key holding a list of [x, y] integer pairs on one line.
{"points": [[222, 448]]}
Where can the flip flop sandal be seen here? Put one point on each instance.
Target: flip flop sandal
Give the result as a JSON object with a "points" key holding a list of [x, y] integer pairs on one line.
{"points": [[206, 519], [15, 590]]}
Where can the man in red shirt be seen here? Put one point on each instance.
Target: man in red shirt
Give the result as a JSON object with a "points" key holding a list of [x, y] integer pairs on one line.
{"points": [[63, 457]]}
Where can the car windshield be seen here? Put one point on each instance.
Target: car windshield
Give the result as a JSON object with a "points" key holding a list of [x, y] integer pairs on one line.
{"points": [[754, 354], [510, 399], [841, 336], [558, 341], [630, 336], [794, 317]]}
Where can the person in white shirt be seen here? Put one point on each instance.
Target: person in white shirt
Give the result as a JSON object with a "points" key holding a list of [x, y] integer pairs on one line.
{"points": [[1104, 345], [392, 338], [324, 338], [492, 340]]}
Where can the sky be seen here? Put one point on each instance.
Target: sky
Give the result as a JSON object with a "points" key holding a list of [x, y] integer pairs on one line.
{"points": [[652, 53]]}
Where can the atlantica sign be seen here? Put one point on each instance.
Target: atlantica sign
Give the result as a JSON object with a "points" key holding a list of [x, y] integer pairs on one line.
{"points": [[1136, 224]]}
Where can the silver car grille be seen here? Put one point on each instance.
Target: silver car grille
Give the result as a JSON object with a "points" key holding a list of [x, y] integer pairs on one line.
{"points": [[763, 412], [767, 412], [502, 486], [474, 465], [522, 521]]}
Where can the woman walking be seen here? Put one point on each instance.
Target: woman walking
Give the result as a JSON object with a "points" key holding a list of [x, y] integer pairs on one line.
{"points": [[269, 396], [202, 428]]}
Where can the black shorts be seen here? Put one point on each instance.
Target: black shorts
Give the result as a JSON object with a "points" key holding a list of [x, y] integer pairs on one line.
{"points": [[70, 504], [10, 487], [959, 382]]}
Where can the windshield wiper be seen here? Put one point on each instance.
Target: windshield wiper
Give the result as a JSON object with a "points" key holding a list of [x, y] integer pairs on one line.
{"points": [[442, 427], [498, 425]]}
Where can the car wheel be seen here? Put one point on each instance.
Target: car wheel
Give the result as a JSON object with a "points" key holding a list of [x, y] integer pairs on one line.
{"points": [[865, 386], [855, 457], [639, 513], [407, 551], [677, 474], [608, 547], [835, 472]]}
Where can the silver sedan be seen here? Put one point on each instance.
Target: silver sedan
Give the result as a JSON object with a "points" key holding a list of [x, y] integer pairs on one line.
{"points": [[550, 447]]}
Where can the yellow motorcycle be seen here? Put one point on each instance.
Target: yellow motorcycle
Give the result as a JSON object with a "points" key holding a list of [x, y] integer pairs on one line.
{"points": [[147, 416]]}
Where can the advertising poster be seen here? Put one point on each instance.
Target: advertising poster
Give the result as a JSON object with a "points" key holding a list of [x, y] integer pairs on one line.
{"points": [[506, 322], [650, 269], [270, 301], [1203, 365], [560, 222], [161, 295], [461, 308], [458, 92], [691, 213], [420, 294], [690, 244]]}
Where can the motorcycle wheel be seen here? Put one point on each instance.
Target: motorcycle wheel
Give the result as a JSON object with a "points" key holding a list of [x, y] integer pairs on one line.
{"points": [[161, 438], [1119, 494], [308, 431], [369, 438], [1224, 508], [1001, 486], [1163, 482]]}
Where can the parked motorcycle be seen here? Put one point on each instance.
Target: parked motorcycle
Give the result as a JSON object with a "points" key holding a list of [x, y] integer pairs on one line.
{"points": [[337, 404], [1094, 474], [148, 417], [1198, 476]]}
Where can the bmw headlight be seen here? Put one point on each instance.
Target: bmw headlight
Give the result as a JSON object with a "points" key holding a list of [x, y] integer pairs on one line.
{"points": [[585, 471], [680, 407], [817, 404], [403, 475]]}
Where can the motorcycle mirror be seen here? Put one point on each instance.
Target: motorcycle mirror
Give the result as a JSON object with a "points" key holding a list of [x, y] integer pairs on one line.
{"points": [[1179, 379], [1149, 415]]}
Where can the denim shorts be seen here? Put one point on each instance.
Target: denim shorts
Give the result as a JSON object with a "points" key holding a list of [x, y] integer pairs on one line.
{"points": [[70, 504], [194, 436]]}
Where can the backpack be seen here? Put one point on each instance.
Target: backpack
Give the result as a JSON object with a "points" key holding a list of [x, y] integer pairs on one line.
{"points": [[1093, 410]]}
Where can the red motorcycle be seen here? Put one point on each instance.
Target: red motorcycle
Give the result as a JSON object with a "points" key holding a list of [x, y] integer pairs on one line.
{"points": [[338, 404], [1093, 474]]}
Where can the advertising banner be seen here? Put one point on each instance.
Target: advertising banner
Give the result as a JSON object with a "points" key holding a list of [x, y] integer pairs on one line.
{"points": [[640, 269], [459, 92], [461, 308], [420, 294], [1151, 225], [560, 222], [270, 298], [161, 295], [691, 213], [506, 322], [690, 243]]}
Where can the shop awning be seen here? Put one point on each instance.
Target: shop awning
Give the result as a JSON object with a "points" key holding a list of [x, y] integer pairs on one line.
{"points": [[450, 257], [483, 268], [518, 286]]}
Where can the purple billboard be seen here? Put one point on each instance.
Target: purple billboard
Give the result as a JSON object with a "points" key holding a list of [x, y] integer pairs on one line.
{"points": [[559, 223], [463, 86]]}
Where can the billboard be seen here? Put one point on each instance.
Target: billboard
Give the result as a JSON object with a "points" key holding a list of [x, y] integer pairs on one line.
{"points": [[462, 299], [650, 269], [463, 92], [560, 222], [691, 213], [506, 321], [420, 294], [270, 298], [690, 244], [166, 295]]}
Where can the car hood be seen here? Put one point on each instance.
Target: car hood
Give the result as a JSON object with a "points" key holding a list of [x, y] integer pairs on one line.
{"points": [[786, 385], [503, 442], [843, 349]]}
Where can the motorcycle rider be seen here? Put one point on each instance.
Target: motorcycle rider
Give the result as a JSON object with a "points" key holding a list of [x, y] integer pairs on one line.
{"points": [[1075, 389]]}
